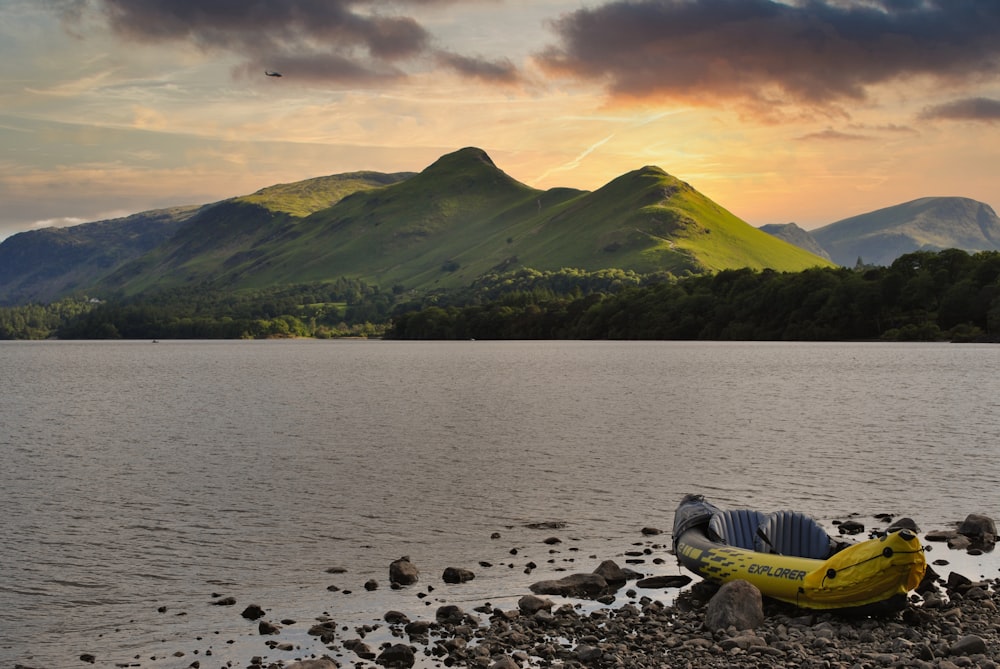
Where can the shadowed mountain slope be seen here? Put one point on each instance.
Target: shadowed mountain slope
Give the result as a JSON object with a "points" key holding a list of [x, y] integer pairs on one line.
{"points": [[44, 265], [927, 224], [793, 234]]}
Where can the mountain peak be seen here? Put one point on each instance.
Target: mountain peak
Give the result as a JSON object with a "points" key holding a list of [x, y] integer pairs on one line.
{"points": [[651, 170], [462, 170], [468, 157]]}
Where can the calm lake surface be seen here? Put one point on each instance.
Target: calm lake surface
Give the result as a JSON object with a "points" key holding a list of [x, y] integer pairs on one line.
{"points": [[139, 476]]}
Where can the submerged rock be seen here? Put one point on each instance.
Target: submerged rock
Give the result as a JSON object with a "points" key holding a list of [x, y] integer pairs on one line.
{"points": [[457, 575], [403, 572], [668, 581], [611, 573], [980, 529], [265, 627], [253, 612]]}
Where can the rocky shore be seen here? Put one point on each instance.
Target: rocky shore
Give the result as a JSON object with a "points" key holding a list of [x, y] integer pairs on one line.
{"points": [[954, 624], [951, 621], [603, 619]]}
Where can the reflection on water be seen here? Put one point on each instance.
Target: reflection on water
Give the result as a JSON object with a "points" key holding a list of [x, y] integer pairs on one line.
{"points": [[140, 477]]}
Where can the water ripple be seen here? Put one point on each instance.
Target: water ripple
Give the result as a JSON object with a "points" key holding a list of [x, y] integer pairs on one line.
{"points": [[138, 479]]}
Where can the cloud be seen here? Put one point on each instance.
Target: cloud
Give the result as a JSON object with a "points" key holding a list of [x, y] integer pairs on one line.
{"points": [[968, 109], [59, 222], [813, 52], [575, 162], [343, 41], [493, 71], [834, 135]]}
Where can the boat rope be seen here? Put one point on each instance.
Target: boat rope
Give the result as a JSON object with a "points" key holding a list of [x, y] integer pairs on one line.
{"points": [[886, 553]]}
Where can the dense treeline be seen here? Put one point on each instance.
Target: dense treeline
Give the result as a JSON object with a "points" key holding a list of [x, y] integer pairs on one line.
{"points": [[346, 307], [540, 285], [38, 321], [340, 308], [922, 296]]}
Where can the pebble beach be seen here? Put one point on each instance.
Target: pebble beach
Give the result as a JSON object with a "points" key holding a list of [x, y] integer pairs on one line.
{"points": [[951, 620]]}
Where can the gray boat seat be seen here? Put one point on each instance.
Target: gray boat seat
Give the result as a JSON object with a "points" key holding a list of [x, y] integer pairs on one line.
{"points": [[737, 527], [793, 533]]}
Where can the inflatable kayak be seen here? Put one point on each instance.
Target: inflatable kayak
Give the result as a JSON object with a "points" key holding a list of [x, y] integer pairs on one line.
{"points": [[789, 557]]}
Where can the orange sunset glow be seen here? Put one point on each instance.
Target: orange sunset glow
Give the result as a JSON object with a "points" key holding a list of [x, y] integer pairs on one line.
{"points": [[805, 112]]}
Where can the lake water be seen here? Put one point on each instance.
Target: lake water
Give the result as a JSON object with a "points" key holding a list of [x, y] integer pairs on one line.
{"points": [[143, 481]]}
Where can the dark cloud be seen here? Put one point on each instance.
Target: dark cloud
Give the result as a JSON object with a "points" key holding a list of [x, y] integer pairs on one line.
{"points": [[969, 109], [493, 71], [807, 51], [348, 41]]}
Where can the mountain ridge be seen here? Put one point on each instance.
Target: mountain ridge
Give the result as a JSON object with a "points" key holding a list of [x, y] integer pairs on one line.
{"points": [[925, 224], [438, 229], [458, 219]]}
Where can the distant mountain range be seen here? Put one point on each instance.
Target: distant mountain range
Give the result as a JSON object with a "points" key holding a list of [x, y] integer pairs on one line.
{"points": [[793, 234], [459, 219], [879, 237]]}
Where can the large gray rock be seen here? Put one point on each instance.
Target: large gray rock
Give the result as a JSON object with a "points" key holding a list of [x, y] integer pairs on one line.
{"points": [[981, 530], [531, 604], [326, 631], [450, 614], [397, 656], [611, 573], [457, 575], [969, 644], [584, 586], [403, 572], [360, 648], [737, 604]]}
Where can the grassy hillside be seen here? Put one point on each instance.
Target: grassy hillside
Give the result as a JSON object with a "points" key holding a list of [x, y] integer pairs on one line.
{"points": [[225, 236], [302, 198], [649, 221], [44, 265], [460, 218], [463, 217]]}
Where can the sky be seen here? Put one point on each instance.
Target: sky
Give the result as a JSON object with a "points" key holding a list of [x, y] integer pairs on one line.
{"points": [[805, 111]]}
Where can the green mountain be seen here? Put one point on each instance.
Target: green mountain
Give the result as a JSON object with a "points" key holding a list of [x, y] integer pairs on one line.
{"points": [[927, 224], [460, 218], [44, 265], [228, 234]]}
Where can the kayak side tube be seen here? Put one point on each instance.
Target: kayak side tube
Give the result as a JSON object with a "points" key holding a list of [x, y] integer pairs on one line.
{"points": [[881, 570]]}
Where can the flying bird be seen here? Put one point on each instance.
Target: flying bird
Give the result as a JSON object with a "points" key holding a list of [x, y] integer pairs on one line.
{"points": [[272, 74]]}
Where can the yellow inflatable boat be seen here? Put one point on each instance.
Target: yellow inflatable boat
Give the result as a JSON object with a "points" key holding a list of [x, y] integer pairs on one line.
{"points": [[789, 557]]}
